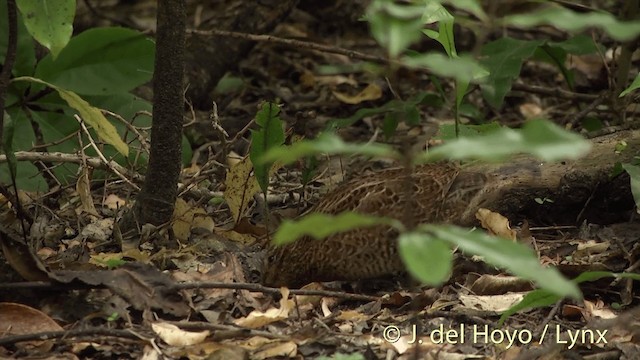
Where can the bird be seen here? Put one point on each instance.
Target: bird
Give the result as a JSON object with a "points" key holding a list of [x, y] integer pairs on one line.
{"points": [[428, 193]]}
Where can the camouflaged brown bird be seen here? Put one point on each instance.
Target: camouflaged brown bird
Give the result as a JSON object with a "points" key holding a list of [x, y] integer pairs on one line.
{"points": [[431, 193]]}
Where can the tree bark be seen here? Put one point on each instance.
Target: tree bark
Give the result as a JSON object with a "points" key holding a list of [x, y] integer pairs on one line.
{"points": [[155, 202]]}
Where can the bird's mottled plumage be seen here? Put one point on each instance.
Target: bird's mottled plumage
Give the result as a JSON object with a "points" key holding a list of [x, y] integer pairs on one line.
{"points": [[429, 193]]}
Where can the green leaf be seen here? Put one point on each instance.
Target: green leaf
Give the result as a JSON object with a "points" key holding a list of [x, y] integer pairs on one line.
{"points": [[340, 356], [326, 143], [319, 226], [535, 299], [105, 130], [472, 6], [503, 58], [50, 22], [435, 12], [101, 61], [447, 131], [19, 136], [596, 275], [427, 258], [634, 175], [557, 57], [565, 19], [54, 127], [514, 257], [541, 298], [462, 68], [395, 26], [577, 45], [25, 53], [540, 138], [634, 85], [270, 135]]}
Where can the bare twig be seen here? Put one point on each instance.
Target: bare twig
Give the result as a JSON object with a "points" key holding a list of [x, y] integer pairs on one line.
{"points": [[101, 155], [270, 290], [555, 92], [295, 44]]}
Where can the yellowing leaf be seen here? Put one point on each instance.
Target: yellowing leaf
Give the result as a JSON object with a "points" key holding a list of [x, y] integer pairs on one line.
{"points": [[240, 187], [92, 115]]}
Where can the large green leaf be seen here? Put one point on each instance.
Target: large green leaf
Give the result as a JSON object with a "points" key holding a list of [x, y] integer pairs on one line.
{"points": [[565, 19], [25, 52], [634, 85], [541, 297], [577, 45], [514, 257], [319, 226], [540, 138], [503, 58], [426, 258], [436, 13], [472, 6], [447, 131], [268, 136], [395, 26], [22, 138], [464, 69], [54, 127], [105, 130], [101, 61], [50, 22]]}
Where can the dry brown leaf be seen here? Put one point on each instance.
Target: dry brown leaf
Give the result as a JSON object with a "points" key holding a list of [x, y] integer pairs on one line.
{"points": [[263, 348], [113, 202], [83, 188], [335, 80], [307, 80], [496, 224], [258, 319], [589, 248], [493, 304], [187, 217], [18, 319], [241, 185], [238, 237], [20, 257], [174, 336], [371, 92], [597, 310], [530, 110]]}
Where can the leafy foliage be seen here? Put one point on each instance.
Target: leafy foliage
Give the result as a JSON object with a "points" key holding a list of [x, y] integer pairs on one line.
{"points": [[269, 136], [516, 258], [544, 297], [101, 61], [540, 138], [563, 18], [105, 130], [395, 28], [89, 72], [49, 22], [320, 225]]}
